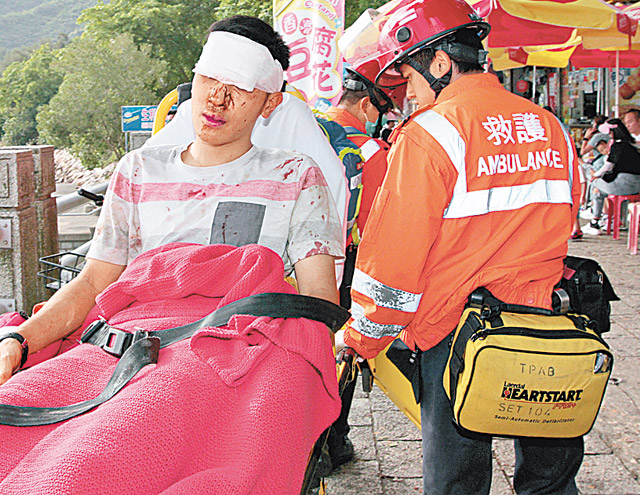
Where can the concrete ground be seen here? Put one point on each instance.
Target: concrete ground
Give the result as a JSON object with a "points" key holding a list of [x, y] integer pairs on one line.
{"points": [[388, 446]]}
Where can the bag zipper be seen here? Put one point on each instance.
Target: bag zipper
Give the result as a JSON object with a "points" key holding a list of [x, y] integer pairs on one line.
{"points": [[536, 333]]}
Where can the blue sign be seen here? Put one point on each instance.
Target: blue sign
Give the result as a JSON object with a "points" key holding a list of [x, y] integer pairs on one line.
{"points": [[139, 118]]}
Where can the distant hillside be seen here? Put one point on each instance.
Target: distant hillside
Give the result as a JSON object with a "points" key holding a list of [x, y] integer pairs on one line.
{"points": [[26, 23]]}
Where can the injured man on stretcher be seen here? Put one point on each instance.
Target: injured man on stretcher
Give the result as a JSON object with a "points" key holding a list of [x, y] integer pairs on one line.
{"points": [[234, 408]]}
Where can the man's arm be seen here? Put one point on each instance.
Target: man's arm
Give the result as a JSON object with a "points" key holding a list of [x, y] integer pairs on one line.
{"points": [[316, 277], [60, 316], [405, 221]]}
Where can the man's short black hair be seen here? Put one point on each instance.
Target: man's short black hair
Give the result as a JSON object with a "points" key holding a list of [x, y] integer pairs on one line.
{"points": [[258, 31], [467, 37], [635, 112], [352, 97]]}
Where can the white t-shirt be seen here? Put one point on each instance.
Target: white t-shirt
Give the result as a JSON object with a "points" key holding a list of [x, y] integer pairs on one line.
{"points": [[290, 127], [269, 197]]}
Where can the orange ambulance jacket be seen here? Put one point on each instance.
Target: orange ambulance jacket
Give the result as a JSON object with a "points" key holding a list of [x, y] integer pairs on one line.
{"points": [[374, 152], [479, 191]]}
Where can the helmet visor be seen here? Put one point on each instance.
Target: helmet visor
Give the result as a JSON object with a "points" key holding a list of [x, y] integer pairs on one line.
{"points": [[360, 40]]}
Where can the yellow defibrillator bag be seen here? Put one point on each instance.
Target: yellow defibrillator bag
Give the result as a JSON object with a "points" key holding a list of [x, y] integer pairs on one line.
{"points": [[519, 371]]}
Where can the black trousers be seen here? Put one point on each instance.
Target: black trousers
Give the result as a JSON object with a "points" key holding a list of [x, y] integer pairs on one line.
{"points": [[457, 462], [340, 427]]}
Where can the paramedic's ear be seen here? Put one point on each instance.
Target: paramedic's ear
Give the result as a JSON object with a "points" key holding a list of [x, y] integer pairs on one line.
{"points": [[441, 64], [273, 100]]}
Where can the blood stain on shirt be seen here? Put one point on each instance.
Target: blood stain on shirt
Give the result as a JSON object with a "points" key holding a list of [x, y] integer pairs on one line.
{"points": [[319, 249], [285, 163]]}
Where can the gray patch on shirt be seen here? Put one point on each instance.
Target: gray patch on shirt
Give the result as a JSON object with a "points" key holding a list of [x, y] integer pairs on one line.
{"points": [[237, 223]]}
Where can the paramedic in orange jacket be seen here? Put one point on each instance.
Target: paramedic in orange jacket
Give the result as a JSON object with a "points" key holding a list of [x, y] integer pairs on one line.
{"points": [[360, 102], [479, 191]]}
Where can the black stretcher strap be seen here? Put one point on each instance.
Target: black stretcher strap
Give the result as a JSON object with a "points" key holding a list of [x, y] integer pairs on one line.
{"points": [[141, 353], [141, 348], [272, 304]]}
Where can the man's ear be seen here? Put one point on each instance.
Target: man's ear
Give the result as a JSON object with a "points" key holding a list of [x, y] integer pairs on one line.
{"points": [[364, 104], [441, 64], [273, 100]]}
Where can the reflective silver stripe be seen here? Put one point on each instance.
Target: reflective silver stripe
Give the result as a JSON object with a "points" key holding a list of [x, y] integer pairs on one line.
{"points": [[369, 149], [468, 204], [509, 198], [449, 138], [383, 295], [355, 181], [370, 329]]}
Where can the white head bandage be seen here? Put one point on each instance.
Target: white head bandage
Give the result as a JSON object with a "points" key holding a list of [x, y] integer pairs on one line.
{"points": [[233, 59]]}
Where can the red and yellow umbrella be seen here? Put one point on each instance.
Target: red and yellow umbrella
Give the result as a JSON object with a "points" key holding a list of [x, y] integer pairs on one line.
{"points": [[524, 23], [580, 57]]}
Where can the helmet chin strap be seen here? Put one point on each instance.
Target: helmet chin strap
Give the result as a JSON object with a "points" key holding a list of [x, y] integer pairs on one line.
{"points": [[378, 128], [437, 84], [382, 108], [375, 96]]}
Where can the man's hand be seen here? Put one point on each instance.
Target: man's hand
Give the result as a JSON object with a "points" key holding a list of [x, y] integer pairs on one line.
{"points": [[10, 355], [60, 316], [348, 352]]}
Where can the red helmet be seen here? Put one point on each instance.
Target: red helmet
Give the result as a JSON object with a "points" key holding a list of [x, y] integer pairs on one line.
{"points": [[417, 25], [359, 47], [365, 72]]}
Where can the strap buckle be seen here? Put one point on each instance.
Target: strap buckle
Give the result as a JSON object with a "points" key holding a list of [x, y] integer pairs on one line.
{"points": [[91, 330], [108, 338], [561, 301], [117, 342]]}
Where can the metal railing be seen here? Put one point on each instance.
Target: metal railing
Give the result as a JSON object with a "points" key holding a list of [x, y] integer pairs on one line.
{"points": [[80, 197], [60, 268]]}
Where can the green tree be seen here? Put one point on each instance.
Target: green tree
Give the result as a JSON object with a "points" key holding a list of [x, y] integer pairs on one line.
{"points": [[25, 87], [174, 30], [262, 9], [353, 9], [100, 77]]}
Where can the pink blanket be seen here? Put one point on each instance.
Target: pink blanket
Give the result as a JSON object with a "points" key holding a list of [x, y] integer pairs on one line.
{"points": [[233, 410]]}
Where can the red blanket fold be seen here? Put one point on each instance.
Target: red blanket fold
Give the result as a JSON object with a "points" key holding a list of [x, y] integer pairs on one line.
{"points": [[233, 410]]}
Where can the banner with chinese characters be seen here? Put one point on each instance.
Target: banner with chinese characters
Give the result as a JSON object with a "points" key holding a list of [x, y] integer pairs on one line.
{"points": [[312, 28]]}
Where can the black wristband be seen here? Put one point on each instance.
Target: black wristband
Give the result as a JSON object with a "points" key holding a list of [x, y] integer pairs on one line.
{"points": [[23, 343]]}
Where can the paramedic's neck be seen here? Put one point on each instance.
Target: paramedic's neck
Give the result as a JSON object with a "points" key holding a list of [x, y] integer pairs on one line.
{"points": [[203, 154]]}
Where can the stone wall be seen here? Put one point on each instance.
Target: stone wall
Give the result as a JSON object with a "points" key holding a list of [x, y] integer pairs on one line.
{"points": [[69, 170], [28, 223]]}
